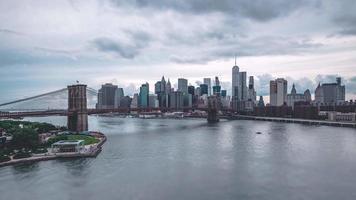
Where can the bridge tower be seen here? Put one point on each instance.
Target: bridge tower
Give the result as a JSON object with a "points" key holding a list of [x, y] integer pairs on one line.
{"points": [[213, 109], [77, 120]]}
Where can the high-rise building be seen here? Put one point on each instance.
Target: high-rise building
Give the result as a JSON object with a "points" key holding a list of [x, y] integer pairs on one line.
{"points": [[153, 101], [107, 96], [278, 92], [197, 91], [134, 102], [163, 84], [235, 81], [203, 89], [176, 100], [158, 89], [251, 90], [242, 86], [330, 93], [119, 94], [216, 90], [143, 96], [223, 93], [183, 85], [261, 103], [191, 90], [168, 87], [207, 81], [217, 82]]}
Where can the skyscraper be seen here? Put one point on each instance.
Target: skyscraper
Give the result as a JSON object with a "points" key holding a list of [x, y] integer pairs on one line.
{"points": [[191, 90], [251, 90], [242, 86], [183, 85], [278, 92], [207, 81], [158, 88], [119, 94], [107, 96], [203, 89], [235, 81], [143, 96]]}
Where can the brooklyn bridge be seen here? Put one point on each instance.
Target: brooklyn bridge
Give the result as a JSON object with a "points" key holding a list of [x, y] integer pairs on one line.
{"points": [[77, 110]]}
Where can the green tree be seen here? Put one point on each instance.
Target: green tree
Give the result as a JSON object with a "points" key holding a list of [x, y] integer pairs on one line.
{"points": [[25, 138]]}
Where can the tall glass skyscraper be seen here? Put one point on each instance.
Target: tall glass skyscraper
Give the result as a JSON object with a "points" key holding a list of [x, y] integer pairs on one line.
{"points": [[207, 81], [143, 96], [183, 85]]}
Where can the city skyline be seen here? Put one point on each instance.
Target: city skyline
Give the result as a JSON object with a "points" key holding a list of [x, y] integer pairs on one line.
{"points": [[48, 45]]}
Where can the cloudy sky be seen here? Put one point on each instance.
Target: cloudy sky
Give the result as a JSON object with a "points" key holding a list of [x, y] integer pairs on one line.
{"points": [[45, 45]]}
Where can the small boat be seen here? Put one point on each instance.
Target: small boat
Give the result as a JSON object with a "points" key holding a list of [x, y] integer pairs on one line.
{"points": [[258, 132]]}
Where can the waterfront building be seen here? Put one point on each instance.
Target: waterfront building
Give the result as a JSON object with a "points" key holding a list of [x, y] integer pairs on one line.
{"points": [[107, 96], [183, 85], [207, 81], [143, 96], [294, 97], [330, 93], [67, 146], [278, 92]]}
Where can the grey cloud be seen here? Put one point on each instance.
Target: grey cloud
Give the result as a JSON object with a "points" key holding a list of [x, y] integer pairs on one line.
{"points": [[138, 41], [108, 45], [259, 46], [256, 10], [12, 32]]}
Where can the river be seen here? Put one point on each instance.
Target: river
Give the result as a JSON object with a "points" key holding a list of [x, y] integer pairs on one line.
{"points": [[190, 159]]}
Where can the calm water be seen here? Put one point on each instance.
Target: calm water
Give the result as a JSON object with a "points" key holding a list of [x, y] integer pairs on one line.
{"points": [[189, 159]]}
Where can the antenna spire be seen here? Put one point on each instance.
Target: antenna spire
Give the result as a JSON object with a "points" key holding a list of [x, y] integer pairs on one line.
{"points": [[235, 59]]}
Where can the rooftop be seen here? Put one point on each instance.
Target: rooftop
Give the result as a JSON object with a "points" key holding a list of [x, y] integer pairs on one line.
{"points": [[69, 142]]}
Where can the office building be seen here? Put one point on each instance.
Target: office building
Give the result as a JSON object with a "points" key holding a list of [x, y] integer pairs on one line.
{"points": [[183, 85], [203, 89], [207, 81], [107, 96], [330, 93], [143, 96], [251, 94], [278, 92], [235, 81], [242, 86]]}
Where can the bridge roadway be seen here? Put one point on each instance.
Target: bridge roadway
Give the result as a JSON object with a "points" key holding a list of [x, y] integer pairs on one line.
{"points": [[227, 115], [63, 112]]}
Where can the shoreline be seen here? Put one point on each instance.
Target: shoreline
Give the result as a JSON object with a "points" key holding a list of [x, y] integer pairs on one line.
{"points": [[45, 157]]}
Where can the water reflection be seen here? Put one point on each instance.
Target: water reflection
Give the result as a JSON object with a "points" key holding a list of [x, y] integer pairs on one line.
{"points": [[191, 159]]}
